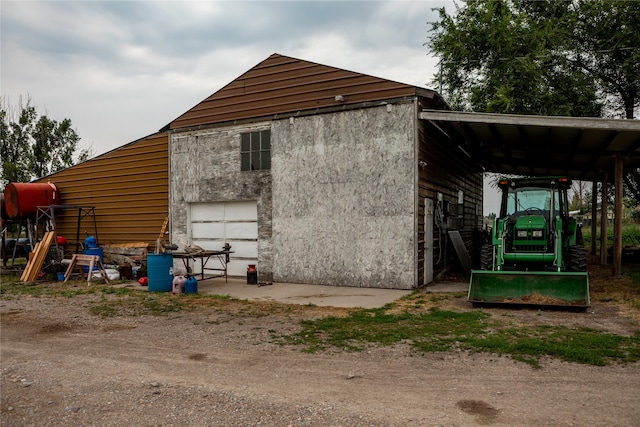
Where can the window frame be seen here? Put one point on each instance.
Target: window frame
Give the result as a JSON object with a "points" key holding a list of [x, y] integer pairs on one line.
{"points": [[255, 150]]}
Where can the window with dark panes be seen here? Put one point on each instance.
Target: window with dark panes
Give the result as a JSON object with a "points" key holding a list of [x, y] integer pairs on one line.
{"points": [[255, 150]]}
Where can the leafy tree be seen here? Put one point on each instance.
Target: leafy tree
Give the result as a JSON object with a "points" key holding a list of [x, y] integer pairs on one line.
{"points": [[606, 45], [33, 146], [549, 57], [504, 56]]}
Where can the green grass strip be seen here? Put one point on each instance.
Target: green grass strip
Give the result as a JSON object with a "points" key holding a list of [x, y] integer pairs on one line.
{"points": [[441, 330]]}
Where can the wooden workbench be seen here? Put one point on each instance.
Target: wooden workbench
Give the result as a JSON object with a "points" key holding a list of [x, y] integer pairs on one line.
{"points": [[205, 257]]}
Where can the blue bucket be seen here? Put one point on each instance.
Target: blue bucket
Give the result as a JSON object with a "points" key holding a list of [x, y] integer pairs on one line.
{"points": [[191, 285], [160, 272], [95, 251]]}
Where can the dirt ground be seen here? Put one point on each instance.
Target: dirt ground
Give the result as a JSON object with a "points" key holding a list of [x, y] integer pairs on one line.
{"points": [[214, 366]]}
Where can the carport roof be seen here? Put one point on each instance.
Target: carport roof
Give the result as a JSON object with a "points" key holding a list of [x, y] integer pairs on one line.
{"points": [[580, 148]]}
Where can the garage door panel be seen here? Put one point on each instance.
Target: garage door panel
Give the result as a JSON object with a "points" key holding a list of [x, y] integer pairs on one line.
{"points": [[241, 211], [207, 229], [241, 230], [209, 244], [244, 249], [239, 268], [207, 211]]}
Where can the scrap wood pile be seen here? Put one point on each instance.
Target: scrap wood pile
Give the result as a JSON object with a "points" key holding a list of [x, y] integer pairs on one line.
{"points": [[37, 257], [125, 252]]}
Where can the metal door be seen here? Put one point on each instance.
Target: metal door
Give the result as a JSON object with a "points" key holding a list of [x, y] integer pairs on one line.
{"points": [[428, 241]]}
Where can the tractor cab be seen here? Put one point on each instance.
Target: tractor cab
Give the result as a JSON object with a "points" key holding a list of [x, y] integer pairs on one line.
{"points": [[533, 214]]}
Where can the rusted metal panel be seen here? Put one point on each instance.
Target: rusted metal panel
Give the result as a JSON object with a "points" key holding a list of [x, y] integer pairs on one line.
{"points": [[128, 188], [281, 85]]}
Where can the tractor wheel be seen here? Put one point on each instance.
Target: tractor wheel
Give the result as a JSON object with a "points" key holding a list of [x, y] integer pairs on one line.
{"points": [[486, 257], [577, 258], [579, 237]]}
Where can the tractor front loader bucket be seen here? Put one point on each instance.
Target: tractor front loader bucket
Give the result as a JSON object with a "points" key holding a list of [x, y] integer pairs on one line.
{"points": [[565, 289]]}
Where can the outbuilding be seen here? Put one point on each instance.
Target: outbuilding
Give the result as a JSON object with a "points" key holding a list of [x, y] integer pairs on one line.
{"points": [[320, 175]]}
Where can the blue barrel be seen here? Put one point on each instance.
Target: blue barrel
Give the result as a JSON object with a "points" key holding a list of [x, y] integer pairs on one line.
{"points": [[191, 285], [160, 272], [94, 251]]}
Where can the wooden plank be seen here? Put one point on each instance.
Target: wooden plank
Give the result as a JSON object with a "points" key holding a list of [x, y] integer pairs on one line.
{"points": [[31, 263], [39, 255], [124, 250], [29, 266], [129, 245], [42, 255]]}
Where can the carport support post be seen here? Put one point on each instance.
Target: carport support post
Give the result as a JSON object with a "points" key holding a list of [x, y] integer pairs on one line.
{"points": [[617, 219], [594, 215], [603, 221]]}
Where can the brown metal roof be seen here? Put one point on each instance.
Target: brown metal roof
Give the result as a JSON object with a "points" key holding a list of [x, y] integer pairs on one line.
{"points": [[577, 147], [281, 85]]}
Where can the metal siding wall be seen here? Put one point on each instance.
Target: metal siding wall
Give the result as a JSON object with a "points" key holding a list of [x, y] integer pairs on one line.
{"points": [[128, 187], [448, 170]]}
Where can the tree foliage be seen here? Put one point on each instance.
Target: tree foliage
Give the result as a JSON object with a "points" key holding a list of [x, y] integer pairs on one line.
{"points": [[606, 43], [548, 57], [576, 58], [33, 146]]}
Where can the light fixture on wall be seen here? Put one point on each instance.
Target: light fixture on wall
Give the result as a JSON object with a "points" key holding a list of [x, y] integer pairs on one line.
{"points": [[339, 98], [422, 164]]}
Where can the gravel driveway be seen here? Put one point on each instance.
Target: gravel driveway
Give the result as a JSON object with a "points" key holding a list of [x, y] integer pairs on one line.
{"points": [[220, 366]]}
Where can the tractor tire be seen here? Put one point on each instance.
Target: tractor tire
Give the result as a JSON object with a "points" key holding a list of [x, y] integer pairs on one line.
{"points": [[577, 258], [486, 257], [579, 237]]}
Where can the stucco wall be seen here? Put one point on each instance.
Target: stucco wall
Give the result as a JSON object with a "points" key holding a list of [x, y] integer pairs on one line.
{"points": [[205, 167], [344, 198]]}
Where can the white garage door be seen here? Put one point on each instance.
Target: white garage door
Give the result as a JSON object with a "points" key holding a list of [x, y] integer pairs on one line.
{"points": [[235, 223]]}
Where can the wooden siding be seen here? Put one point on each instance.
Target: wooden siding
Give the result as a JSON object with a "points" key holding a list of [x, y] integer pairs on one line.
{"points": [[128, 188], [448, 171], [283, 85]]}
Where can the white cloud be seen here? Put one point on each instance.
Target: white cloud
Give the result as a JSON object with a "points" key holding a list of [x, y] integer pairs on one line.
{"points": [[122, 70]]}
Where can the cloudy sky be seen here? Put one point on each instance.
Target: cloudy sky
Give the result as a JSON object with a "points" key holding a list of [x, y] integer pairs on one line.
{"points": [[121, 70]]}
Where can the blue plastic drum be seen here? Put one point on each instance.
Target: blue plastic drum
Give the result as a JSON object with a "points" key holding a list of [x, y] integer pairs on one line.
{"points": [[160, 272]]}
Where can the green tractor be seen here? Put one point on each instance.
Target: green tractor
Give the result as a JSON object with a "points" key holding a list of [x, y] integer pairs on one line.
{"points": [[536, 255]]}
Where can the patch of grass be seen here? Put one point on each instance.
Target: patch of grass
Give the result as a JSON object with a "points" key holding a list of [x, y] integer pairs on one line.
{"points": [[13, 289], [581, 345], [138, 304], [437, 329], [630, 234], [442, 330]]}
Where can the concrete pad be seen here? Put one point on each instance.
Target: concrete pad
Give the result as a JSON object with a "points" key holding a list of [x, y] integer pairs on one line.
{"points": [[290, 293], [319, 295]]}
